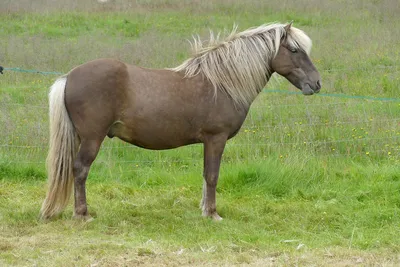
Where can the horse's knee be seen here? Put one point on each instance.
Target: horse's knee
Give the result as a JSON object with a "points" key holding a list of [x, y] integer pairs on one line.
{"points": [[84, 159], [81, 171], [77, 167], [211, 180]]}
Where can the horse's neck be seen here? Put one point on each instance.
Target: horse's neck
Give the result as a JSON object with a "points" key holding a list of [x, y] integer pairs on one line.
{"points": [[259, 90], [200, 78]]}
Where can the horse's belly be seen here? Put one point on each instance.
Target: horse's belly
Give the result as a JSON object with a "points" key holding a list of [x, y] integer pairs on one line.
{"points": [[161, 145], [157, 143], [156, 137]]}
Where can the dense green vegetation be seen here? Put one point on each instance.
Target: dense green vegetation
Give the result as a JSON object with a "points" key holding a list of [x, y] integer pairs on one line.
{"points": [[307, 181]]}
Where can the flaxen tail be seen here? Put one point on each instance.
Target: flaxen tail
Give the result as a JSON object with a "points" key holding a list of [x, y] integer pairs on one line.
{"points": [[63, 148]]}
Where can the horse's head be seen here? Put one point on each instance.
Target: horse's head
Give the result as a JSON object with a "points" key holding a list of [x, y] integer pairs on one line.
{"points": [[292, 61]]}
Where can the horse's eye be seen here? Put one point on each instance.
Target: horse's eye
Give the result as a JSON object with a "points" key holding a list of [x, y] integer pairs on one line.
{"points": [[293, 50]]}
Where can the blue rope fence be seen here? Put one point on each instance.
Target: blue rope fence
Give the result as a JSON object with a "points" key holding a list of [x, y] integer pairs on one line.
{"points": [[335, 95], [34, 71], [265, 90]]}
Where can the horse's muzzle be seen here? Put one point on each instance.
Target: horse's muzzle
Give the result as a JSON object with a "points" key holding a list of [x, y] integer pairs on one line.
{"points": [[306, 89]]}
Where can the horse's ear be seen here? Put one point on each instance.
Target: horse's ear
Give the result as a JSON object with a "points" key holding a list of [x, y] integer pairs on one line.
{"points": [[287, 27]]}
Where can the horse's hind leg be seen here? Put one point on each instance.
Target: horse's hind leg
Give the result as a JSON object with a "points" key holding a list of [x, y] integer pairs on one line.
{"points": [[86, 155]]}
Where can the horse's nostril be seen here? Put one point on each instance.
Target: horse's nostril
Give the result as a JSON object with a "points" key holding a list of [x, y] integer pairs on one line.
{"points": [[318, 84]]}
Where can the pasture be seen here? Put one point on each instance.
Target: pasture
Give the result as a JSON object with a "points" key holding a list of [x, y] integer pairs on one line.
{"points": [[309, 181]]}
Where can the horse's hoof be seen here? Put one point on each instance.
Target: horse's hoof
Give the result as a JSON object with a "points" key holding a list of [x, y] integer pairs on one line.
{"points": [[214, 215], [84, 218]]}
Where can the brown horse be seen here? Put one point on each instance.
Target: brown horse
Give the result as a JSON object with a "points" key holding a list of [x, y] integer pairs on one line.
{"points": [[204, 100]]}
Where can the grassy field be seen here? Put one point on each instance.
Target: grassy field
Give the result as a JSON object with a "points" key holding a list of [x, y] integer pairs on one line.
{"points": [[309, 181]]}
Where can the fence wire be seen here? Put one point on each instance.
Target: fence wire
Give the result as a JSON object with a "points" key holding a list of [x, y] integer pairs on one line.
{"points": [[351, 128], [279, 124]]}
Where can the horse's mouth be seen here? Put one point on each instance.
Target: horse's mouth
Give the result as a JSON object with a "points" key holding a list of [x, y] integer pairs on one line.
{"points": [[307, 90]]}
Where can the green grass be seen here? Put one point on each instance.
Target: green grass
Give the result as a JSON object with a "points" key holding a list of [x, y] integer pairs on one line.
{"points": [[307, 181], [269, 209]]}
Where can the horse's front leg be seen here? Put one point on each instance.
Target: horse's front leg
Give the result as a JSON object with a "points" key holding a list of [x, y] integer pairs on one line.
{"points": [[213, 149]]}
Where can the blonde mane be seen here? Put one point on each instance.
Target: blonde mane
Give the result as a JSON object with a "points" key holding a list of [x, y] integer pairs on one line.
{"points": [[239, 65]]}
